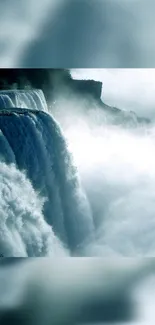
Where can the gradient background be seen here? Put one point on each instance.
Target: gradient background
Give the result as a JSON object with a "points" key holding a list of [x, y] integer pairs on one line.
{"points": [[77, 34]]}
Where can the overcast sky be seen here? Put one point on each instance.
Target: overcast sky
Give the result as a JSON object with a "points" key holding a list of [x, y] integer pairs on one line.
{"points": [[129, 89]]}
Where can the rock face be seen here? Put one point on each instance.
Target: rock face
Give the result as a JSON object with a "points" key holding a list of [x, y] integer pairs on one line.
{"points": [[48, 80], [59, 81], [86, 88], [118, 116]]}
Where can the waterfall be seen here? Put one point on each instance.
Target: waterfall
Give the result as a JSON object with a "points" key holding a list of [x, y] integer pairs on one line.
{"points": [[32, 141]]}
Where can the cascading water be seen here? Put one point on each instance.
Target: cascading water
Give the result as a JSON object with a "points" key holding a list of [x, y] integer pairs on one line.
{"points": [[45, 208], [33, 99], [32, 142]]}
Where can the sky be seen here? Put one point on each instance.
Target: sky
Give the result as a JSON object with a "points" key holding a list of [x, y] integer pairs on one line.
{"points": [[128, 89]]}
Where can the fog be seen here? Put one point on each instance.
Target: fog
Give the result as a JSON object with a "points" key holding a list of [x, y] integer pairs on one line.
{"points": [[127, 89], [116, 165]]}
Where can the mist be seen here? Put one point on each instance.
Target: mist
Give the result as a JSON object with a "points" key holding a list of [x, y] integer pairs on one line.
{"points": [[116, 163], [127, 89]]}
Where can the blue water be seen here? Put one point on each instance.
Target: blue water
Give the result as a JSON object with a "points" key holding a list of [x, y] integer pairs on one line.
{"points": [[36, 164]]}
